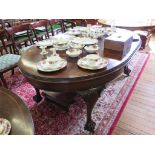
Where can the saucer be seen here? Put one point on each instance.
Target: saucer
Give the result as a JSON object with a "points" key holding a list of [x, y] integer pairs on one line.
{"points": [[92, 64], [46, 66]]}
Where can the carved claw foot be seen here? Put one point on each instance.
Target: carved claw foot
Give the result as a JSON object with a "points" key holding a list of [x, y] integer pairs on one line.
{"points": [[90, 126], [127, 70], [37, 98]]}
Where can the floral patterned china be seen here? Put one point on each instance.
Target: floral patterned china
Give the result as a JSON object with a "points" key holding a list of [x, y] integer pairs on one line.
{"points": [[73, 52], [92, 62], [46, 43], [61, 43], [5, 126], [91, 48], [51, 64], [78, 46]]}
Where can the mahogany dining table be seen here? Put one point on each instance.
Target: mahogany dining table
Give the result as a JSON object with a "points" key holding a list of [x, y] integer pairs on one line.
{"points": [[61, 86]]}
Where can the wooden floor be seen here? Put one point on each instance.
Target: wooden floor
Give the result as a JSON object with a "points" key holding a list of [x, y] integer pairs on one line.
{"points": [[138, 116]]}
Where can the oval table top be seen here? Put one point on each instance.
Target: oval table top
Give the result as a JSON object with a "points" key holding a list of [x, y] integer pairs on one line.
{"points": [[72, 77], [14, 109]]}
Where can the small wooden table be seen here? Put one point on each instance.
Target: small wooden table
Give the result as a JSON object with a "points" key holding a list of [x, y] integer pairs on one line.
{"points": [[14, 109], [73, 79]]}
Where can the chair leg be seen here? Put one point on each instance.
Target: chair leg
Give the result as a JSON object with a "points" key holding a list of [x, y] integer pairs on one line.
{"points": [[3, 81], [10, 49], [12, 71]]}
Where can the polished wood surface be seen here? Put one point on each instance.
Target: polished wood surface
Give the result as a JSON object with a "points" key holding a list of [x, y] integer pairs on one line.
{"points": [[130, 24], [138, 116], [71, 78], [14, 109]]}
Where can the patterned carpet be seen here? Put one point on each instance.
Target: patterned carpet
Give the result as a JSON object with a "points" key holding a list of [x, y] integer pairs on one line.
{"points": [[49, 119]]}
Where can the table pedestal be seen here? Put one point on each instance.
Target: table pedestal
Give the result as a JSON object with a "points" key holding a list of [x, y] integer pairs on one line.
{"points": [[64, 100]]}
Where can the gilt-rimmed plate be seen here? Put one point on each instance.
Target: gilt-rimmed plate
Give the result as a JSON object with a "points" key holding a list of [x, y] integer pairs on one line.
{"points": [[45, 66], [93, 65]]}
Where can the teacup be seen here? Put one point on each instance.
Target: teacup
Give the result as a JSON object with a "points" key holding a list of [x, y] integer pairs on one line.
{"points": [[91, 59]]}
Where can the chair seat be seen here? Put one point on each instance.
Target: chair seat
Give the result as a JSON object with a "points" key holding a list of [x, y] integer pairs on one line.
{"points": [[24, 49], [8, 60]]}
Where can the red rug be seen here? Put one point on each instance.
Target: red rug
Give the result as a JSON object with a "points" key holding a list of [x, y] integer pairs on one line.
{"points": [[49, 119]]}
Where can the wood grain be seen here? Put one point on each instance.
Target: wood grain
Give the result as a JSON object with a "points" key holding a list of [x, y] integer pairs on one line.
{"points": [[139, 115]]}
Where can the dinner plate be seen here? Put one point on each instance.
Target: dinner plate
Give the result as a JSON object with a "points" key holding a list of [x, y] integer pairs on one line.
{"points": [[44, 66], [102, 63], [5, 126], [85, 41]]}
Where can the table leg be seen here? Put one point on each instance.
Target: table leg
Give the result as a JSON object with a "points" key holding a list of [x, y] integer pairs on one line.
{"points": [[127, 70], [37, 97], [90, 97]]}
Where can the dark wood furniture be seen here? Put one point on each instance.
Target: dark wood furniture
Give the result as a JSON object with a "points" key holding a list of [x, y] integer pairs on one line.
{"points": [[144, 27], [56, 26], [92, 21], [20, 35], [40, 29], [6, 42], [15, 110], [145, 37], [8, 61], [68, 23], [73, 79]]}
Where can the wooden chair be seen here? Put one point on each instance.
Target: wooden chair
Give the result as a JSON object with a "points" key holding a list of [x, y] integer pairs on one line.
{"points": [[56, 26], [145, 37], [7, 45], [21, 34], [24, 35], [69, 23], [92, 21], [7, 61], [40, 29]]}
